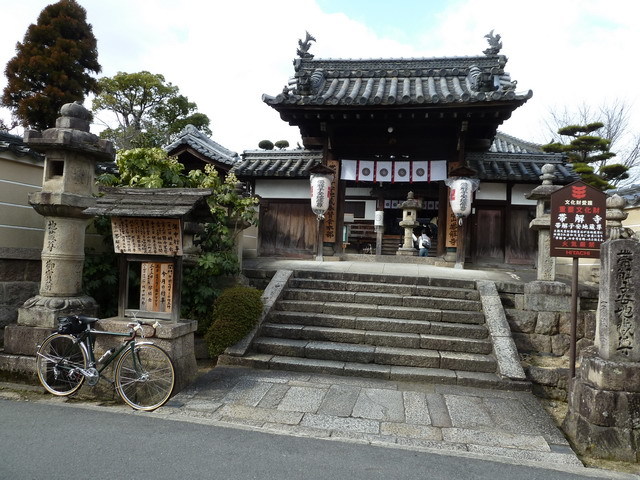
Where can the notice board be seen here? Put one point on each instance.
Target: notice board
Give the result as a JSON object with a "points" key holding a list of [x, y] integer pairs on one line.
{"points": [[578, 221]]}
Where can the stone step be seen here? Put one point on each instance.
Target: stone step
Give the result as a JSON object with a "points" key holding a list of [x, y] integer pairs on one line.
{"points": [[382, 299], [370, 370], [281, 334], [378, 354], [387, 288], [391, 279], [380, 324], [384, 311]]}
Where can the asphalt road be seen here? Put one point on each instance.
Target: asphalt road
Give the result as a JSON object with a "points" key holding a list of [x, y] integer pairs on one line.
{"points": [[66, 442]]}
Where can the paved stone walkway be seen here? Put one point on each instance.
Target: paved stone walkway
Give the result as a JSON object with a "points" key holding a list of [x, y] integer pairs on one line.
{"points": [[491, 424]]}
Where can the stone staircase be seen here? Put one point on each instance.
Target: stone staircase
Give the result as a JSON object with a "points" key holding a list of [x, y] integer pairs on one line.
{"points": [[398, 328]]}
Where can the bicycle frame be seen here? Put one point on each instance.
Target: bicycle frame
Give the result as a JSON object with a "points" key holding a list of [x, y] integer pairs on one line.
{"points": [[87, 340]]}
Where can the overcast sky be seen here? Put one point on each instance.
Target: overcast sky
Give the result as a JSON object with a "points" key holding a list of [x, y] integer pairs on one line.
{"points": [[224, 55]]}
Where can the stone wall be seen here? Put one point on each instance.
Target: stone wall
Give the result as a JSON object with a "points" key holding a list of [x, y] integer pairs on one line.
{"points": [[19, 281], [539, 314]]}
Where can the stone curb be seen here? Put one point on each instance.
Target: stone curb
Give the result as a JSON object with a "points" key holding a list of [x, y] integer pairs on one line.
{"points": [[503, 345]]}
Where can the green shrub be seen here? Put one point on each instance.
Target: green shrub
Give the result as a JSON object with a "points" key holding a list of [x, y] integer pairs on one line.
{"points": [[235, 312]]}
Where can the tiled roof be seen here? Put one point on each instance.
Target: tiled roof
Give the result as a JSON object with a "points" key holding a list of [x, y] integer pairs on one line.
{"points": [[509, 159], [277, 163], [413, 81], [503, 143], [512, 159], [197, 140], [151, 202], [15, 145]]}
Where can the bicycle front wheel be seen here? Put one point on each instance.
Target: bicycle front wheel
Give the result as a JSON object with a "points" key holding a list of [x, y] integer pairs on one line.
{"points": [[145, 376], [60, 361]]}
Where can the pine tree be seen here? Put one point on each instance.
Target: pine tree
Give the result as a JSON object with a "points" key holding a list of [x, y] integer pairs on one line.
{"points": [[52, 66], [589, 155]]}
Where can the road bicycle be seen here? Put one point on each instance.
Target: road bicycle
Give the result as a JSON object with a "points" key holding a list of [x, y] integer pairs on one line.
{"points": [[144, 375]]}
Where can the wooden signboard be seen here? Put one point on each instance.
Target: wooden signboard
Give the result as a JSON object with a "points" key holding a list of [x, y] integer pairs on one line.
{"points": [[156, 287], [147, 236], [578, 221], [330, 216]]}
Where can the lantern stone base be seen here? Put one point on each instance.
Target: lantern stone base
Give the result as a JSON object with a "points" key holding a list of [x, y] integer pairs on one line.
{"points": [[42, 311], [450, 255], [407, 252], [604, 408]]}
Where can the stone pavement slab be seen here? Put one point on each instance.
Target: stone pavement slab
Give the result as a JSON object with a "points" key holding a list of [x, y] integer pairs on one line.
{"points": [[494, 424]]}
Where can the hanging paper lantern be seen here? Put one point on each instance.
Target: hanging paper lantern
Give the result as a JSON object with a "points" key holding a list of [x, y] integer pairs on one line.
{"points": [[320, 193], [461, 195]]}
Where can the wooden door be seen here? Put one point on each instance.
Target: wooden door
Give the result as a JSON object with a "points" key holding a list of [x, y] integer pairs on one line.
{"points": [[488, 244], [522, 242], [287, 229]]}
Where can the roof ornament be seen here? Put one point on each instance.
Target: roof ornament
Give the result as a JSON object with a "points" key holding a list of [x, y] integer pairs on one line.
{"points": [[303, 50], [494, 44]]}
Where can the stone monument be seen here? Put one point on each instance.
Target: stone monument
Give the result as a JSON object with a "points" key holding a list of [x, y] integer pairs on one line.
{"points": [[604, 398]]}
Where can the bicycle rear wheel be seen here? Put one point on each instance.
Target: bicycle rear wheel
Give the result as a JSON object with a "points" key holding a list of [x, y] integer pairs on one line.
{"points": [[145, 376], [59, 361]]}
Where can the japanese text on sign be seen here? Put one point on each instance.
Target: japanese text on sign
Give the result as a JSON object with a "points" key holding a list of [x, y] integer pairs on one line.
{"points": [[578, 225], [330, 215], [156, 287], [147, 236]]}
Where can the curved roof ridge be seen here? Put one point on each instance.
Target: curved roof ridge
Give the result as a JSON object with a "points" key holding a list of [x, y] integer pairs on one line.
{"points": [[200, 142], [293, 163], [505, 143]]}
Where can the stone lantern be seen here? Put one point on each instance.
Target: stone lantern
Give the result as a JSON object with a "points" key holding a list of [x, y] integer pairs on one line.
{"points": [[546, 264], [409, 221], [71, 153]]}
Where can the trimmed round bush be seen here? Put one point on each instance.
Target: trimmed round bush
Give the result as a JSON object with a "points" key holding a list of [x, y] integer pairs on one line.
{"points": [[235, 312]]}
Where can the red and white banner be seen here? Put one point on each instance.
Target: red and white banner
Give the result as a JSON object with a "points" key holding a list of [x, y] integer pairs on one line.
{"points": [[438, 170], [401, 171], [349, 170], [420, 171], [366, 170], [384, 172], [390, 171]]}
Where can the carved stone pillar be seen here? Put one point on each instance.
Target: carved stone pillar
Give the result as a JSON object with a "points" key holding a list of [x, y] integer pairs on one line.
{"points": [[604, 397]]}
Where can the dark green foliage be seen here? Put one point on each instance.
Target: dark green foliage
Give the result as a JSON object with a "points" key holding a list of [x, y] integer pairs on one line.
{"points": [[266, 145], [281, 144], [150, 110], [100, 281], [100, 272], [235, 313], [588, 153], [52, 65]]}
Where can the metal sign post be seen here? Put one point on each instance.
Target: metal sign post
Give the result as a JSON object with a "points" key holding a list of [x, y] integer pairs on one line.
{"points": [[578, 228]]}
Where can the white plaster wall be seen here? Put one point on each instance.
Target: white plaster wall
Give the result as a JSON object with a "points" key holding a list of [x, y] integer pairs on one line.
{"points": [[358, 192], [491, 191], [283, 188], [518, 193]]}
